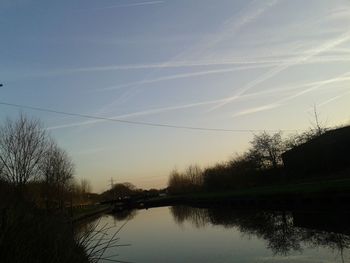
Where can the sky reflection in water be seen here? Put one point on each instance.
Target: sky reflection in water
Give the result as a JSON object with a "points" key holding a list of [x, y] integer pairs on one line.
{"points": [[185, 234]]}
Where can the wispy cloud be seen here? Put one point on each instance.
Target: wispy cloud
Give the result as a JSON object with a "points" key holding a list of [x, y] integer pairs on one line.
{"points": [[275, 71]]}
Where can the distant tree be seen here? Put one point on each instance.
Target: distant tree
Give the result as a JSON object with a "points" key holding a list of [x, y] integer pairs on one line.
{"points": [[85, 186], [177, 182], [119, 191], [23, 145], [129, 186], [195, 175], [267, 149], [188, 181]]}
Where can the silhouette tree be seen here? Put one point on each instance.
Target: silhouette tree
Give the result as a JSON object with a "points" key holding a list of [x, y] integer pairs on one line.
{"points": [[119, 191], [23, 145], [195, 175], [57, 170], [188, 181], [177, 182], [267, 149]]}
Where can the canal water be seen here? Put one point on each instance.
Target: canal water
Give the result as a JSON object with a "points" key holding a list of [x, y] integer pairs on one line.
{"points": [[222, 234]]}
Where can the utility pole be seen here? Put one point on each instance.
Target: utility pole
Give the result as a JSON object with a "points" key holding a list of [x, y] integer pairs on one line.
{"points": [[112, 183], [318, 127]]}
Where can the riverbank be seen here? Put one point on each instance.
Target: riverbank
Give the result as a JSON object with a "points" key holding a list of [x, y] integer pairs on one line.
{"points": [[320, 194], [80, 213], [30, 234]]}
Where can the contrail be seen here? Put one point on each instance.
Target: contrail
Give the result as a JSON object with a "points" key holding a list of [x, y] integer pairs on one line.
{"points": [[129, 5], [280, 102], [185, 75], [311, 53], [258, 62], [210, 102], [333, 99], [247, 18], [173, 77], [234, 24], [254, 65], [257, 109], [174, 64], [205, 63]]}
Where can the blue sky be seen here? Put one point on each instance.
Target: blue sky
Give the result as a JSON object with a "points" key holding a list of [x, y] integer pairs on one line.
{"points": [[203, 63]]}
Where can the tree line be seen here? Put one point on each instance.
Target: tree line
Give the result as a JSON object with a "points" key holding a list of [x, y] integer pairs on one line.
{"points": [[35, 167], [37, 191], [127, 191], [264, 157]]}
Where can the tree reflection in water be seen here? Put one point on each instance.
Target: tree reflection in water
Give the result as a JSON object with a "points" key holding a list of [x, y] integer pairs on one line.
{"points": [[126, 214], [198, 217], [283, 231]]}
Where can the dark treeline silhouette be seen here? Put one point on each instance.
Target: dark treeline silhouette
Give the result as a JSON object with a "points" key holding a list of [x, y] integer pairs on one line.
{"points": [[37, 193], [36, 168], [283, 231], [262, 163], [127, 191], [119, 191]]}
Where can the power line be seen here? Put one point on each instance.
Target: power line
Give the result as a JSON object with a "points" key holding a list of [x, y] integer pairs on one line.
{"points": [[152, 124]]}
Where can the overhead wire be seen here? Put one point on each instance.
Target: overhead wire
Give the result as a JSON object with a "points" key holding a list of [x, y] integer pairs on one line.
{"points": [[141, 123]]}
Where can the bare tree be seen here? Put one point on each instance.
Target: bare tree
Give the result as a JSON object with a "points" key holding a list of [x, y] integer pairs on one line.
{"points": [[22, 147], [188, 181], [57, 171], [195, 174], [175, 182], [267, 149], [318, 128]]}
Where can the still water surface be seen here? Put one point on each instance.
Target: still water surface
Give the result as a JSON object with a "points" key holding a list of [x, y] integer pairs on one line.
{"points": [[221, 234]]}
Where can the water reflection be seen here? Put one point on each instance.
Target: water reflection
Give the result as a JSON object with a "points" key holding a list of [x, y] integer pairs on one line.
{"points": [[284, 232], [127, 214]]}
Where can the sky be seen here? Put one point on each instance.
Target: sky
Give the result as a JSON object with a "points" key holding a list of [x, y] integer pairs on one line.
{"points": [[230, 67]]}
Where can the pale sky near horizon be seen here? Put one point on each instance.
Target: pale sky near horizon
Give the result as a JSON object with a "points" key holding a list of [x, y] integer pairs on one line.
{"points": [[217, 64]]}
